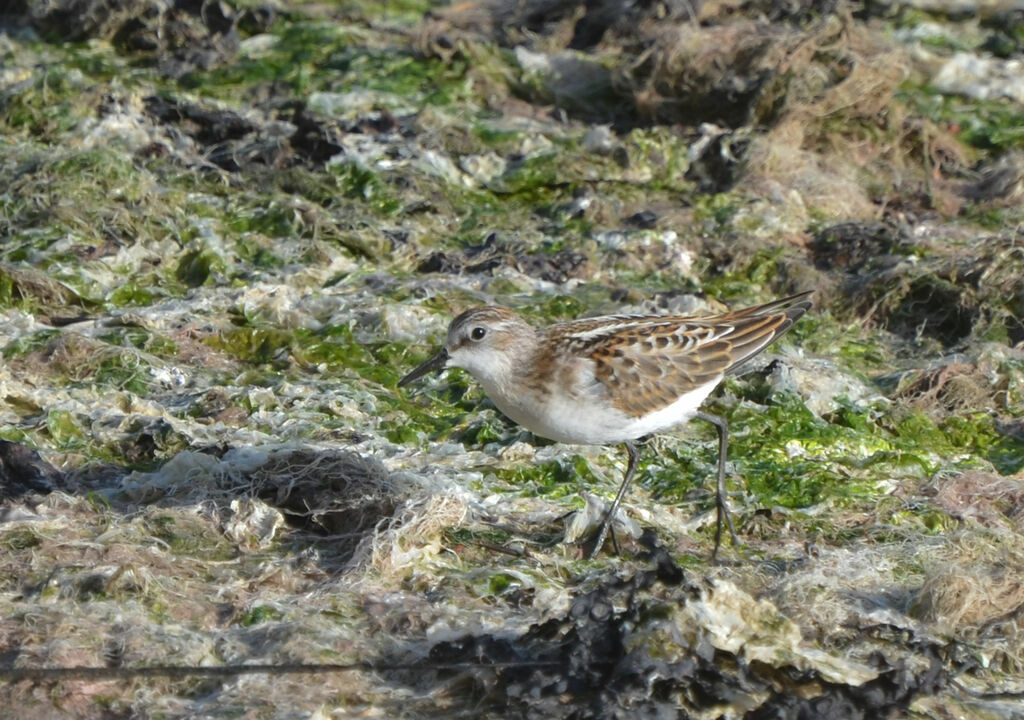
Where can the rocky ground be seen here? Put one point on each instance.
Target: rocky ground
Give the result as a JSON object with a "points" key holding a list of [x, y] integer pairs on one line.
{"points": [[228, 228]]}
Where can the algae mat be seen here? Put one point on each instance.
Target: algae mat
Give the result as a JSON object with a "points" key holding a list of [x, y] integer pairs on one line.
{"points": [[227, 230]]}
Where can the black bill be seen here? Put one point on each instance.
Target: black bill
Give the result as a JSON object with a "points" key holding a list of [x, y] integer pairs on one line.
{"points": [[434, 364]]}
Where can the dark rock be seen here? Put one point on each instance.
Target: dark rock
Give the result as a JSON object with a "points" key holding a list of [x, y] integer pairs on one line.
{"points": [[717, 158], [936, 308], [553, 267], [437, 262], [22, 471], [851, 246], [645, 219], [314, 139], [589, 663]]}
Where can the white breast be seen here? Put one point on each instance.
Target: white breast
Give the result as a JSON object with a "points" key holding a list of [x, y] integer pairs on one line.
{"points": [[587, 418]]}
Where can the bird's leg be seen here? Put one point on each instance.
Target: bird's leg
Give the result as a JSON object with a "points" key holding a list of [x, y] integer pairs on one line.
{"points": [[723, 509], [607, 524]]}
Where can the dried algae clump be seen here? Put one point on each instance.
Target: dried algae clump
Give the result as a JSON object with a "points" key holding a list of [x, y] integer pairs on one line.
{"points": [[967, 598], [973, 592], [987, 498]]}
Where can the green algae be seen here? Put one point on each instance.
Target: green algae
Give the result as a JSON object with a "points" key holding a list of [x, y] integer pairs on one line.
{"points": [[789, 458], [358, 182], [273, 221], [33, 291], [189, 535], [293, 60], [557, 308], [312, 56], [423, 80], [336, 346], [255, 345], [17, 435], [87, 197], [554, 479], [27, 344], [499, 583], [715, 211], [48, 107], [487, 429], [750, 274], [985, 124], [20, 539], [502, 140], [455, 537], [123, 372], [976, 435], [133, 294], [63, 430], [537, 180], [259, 614], [435, 416], [198, 266]]}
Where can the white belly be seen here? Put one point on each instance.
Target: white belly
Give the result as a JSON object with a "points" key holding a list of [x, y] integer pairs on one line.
{"points": [[570, 420]]}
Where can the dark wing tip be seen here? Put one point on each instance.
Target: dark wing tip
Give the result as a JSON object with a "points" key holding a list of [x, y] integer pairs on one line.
{"points": [[760, 326], [793, 305]]}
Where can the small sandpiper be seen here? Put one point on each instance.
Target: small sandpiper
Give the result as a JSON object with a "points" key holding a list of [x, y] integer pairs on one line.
{"points": [[611, 379]]}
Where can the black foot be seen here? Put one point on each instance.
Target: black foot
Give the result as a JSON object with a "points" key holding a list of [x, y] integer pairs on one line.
{"points": [[593, 543]]}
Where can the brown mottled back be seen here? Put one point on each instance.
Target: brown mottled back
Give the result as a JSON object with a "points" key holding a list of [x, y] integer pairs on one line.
{"points": [[647, 363]]}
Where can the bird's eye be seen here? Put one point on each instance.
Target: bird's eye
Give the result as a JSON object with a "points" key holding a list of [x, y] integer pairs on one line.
{"points": [[478, 333]]}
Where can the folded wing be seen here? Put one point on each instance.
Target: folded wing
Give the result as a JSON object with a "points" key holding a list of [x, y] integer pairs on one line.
{"points": [[648, 363]]}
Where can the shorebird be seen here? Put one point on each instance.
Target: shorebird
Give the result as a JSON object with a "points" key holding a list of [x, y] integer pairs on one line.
{"points": [[612, 379]]}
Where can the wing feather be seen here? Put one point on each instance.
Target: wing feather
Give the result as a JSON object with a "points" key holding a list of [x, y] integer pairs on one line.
{"points": [[647, 363]]}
